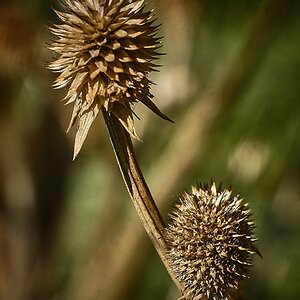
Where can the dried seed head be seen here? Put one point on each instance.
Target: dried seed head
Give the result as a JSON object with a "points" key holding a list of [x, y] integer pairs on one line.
{"points": [[210, 243], [105, 52]]}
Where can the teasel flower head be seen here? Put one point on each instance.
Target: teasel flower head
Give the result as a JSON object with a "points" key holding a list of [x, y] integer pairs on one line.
{"points": [[105, 52], [210, 243]]}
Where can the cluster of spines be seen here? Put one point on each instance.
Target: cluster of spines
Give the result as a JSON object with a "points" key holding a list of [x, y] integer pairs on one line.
{"points": [[106, 50], [211, 243]]}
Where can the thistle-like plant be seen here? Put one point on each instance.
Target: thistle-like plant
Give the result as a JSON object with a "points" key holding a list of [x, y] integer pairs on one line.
{"points": [[105, 51], [210, 243]]}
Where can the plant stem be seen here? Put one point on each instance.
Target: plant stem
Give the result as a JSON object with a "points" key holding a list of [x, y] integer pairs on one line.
{"points": [[138, 189]]}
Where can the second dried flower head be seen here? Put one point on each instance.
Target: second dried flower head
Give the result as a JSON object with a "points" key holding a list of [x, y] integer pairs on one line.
{"points": [[105, 52], [210, 243]]}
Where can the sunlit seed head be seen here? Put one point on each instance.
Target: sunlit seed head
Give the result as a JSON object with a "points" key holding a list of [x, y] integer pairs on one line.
{"points": [[105, 52], [211, 243]]}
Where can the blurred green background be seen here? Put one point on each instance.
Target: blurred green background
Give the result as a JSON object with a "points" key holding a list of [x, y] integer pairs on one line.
{"points": [[230, 81]]}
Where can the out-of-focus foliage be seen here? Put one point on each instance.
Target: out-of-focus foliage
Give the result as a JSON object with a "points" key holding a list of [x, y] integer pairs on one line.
{"points": [[230, 80]]}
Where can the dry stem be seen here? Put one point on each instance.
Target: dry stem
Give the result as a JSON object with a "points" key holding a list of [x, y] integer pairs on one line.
{"points": [[138, 189]]}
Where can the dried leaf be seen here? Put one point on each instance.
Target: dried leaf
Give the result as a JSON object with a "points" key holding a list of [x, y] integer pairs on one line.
{"points": [[84, 124]]}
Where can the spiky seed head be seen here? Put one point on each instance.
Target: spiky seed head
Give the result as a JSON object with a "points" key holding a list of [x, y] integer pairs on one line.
{"points": [[106, 50], [210, 243]]}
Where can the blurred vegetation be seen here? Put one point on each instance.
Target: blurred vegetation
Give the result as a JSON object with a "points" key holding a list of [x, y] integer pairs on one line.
{"points": [[230, 80]]}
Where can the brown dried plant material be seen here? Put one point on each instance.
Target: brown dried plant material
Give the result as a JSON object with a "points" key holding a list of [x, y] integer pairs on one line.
{"points": [[211, 243], [18, 42], [106, 50]]}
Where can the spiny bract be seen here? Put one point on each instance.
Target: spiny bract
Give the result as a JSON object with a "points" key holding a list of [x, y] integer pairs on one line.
{"points": [[210, 243], [105, 52]]}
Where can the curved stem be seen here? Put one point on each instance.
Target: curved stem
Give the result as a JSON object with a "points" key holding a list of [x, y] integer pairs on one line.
{"points": [[138, 189]]}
